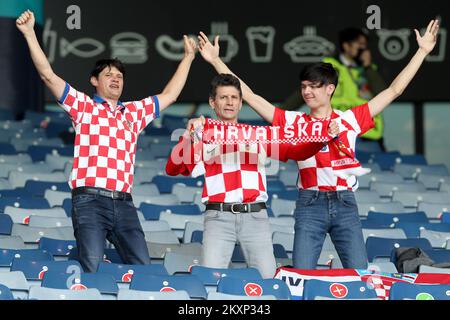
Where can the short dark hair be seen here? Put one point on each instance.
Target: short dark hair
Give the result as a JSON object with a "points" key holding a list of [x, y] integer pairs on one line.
{"points": [[349, 35], [105, 63], [222, 80], [321, 73]]}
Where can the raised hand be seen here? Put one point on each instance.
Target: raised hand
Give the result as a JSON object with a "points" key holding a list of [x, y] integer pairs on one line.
{"points": [[428, 40], [207, 50], [25, 23], [190, 47]]}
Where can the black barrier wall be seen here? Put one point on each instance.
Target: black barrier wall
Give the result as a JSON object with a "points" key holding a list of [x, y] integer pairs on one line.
{"points": [[264, 42]]}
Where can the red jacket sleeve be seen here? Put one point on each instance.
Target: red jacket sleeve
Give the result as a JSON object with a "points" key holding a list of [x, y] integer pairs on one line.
{"points": [[181, 160]]}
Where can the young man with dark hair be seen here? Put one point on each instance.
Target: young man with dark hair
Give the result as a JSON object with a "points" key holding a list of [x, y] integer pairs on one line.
{"points": [[235, 188], [359, 80], [106, 132], [326, 202]]}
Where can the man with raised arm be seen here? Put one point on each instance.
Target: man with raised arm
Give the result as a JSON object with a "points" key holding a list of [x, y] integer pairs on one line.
{"points": [[106, 132], [326, 182]]}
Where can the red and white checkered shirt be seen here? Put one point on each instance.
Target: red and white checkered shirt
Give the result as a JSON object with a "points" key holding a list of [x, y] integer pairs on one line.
{"points": [[316, 173], [105, 141]]}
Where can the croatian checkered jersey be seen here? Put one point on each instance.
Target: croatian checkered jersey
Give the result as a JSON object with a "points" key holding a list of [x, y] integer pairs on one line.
{"points": [[105, 139], [316, 172]]}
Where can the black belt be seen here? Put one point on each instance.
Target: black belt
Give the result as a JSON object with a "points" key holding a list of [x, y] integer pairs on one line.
{"points": [[236, 207], [115, 195]]}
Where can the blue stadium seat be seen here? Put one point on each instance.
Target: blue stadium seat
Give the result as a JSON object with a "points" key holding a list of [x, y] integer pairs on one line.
{"points": [[392, 218], [5, 293], [14, 193], [125, 272], [38, 153], [276, 186], [173, 122], [211, 276], [189, 283], [35, 270], [406, 291], [313, 289], [55, 128], [279, 251], [57, 247], [8, 255], [6, 224], [412, 229], [165, 183], [197, 236], [26, 203], [105, 283], [152, 211], [254, 287], [439, 255], [67, 206], [7, 148], [382, 247], [37, 188], [445, 218]]}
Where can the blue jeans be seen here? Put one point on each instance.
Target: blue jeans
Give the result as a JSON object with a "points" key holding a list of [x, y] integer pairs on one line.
{"points": [[223, 229], [96, 218], [335, 212]]}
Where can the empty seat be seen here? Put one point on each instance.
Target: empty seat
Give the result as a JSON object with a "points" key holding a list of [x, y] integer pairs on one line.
{"points": [[430, 269], [393, 218], [35, 270], [56, 247], [254, 287], [391, 207], [125, 272], [190, 228], [337, 290], [177, 262], [12, 242], [18, 179], [163, 199], [5, 293], [49, 222], [384, 233], [406, 291], [433, 210], [185, 193], [189, 283], [386, 189], [148, 189], [6, 224], [33, 234], [41, 293], [411, 199], [22, 215], [178, 221], [16, 282], [159, 225], [126, 294], [438, 239], [56, 198], [282, 207], [159, 250], [162, 237], [382, 247], [153, 211]]}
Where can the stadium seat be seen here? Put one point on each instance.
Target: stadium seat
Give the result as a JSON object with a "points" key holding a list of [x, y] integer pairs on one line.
{"points": [[125, 272], [165, 183], [8, 255], [33, 234], [12, 242], [158, 250], [366, 196], [22, 215], [412, 229], [109, 255], [406, 291], [163, 200], [386, 189], [213, 295], [439, 255], [285, 239], [5, 293], [282, 207], [438, 239], [57, 247], [189, 229], [254, 287], [411, 199], [5, 224], [104, 283], [42, 293], [189, 283], [38, 153], [16, 282], [19, 179], [382, 247], [391, 207], [384, 233], [127, 294], [432, 181], [153, 211], [389, 218], [162, 237], [27, 203], [49, 222], [313, 289], [56, 198], [430, 269], [433, 210], [180, 263], [155, 225], [186, 194], [211, 276], [385, 177], [148, 189], [35, 270]]}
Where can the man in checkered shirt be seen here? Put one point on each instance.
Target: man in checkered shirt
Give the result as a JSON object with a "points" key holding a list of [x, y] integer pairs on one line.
{"points": [[235, 188], [326, 202], [105, 146]]}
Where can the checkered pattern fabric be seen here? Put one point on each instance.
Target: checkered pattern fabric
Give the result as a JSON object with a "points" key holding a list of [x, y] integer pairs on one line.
{"points": [[234, 169], [316, 173], [105, 141]]}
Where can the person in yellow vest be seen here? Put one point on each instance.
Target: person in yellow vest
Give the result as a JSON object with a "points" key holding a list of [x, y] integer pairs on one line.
{"points": [[359, 79]]}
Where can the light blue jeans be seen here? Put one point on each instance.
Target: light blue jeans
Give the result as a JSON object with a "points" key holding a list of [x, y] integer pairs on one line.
{"points": [[223, 229], [335, 212]]}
